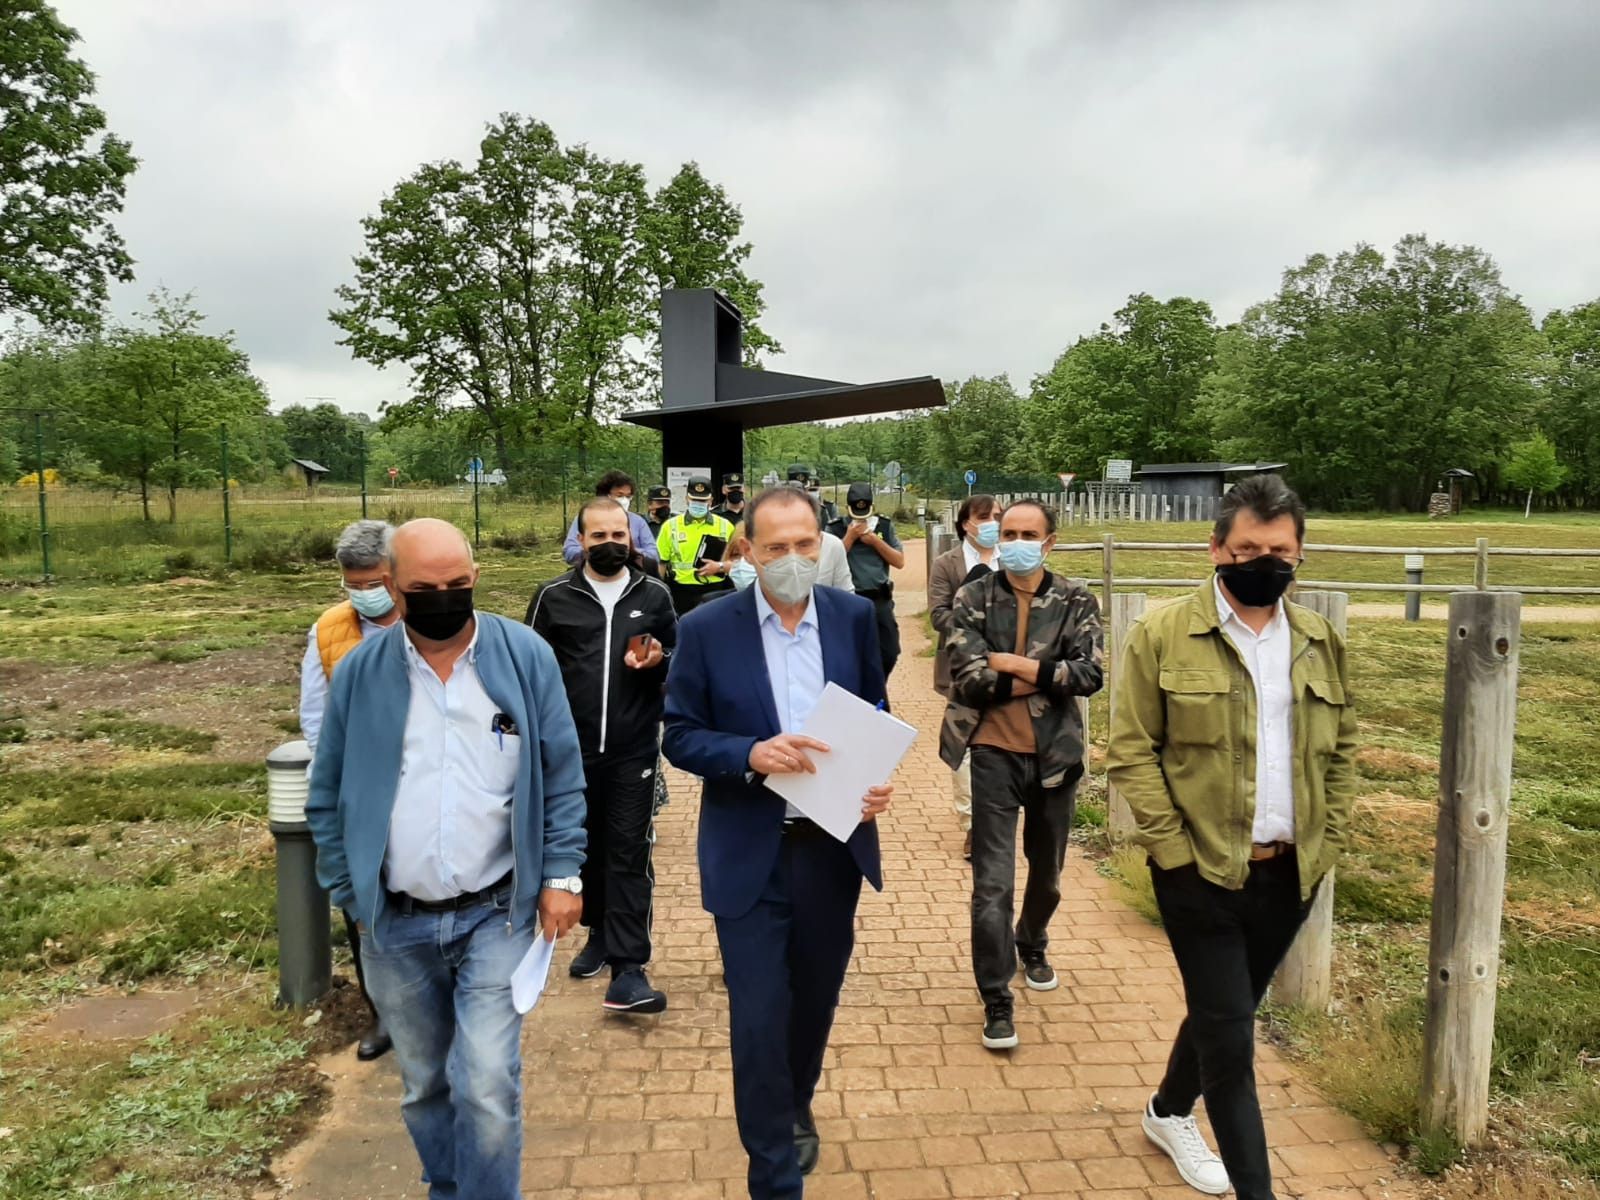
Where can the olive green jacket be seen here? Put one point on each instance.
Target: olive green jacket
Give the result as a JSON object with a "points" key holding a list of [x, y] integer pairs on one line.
{"points": [[1182, 749]]}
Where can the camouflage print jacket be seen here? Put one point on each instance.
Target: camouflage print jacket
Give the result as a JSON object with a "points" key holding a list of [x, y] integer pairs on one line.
{"points": [[1063, 635]]}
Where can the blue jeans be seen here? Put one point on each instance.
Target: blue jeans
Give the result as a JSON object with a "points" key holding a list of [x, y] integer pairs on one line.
{"points": [[442, 984]]}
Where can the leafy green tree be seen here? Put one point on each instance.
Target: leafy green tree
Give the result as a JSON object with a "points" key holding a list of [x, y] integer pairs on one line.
{"points": [[980, 425], [153, 400], [327, 435], [1370, 376], [691, 238], [522, 287], [61, 175], [1130, 391], [1572, 411], [1533, 468]]}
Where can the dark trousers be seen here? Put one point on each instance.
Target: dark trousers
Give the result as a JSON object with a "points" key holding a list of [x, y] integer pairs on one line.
{"points": [[784, 962], [686, 597], [888, 629], [355, 956], [1004, 784], [617, 880], [1227, 944]]}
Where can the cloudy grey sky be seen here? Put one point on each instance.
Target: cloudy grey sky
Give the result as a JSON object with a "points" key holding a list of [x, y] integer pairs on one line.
{"points": [[932, 186]]}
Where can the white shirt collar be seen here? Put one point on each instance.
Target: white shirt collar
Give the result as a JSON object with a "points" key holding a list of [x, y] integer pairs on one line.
{"points": [[764, 610], [1227, 615]]}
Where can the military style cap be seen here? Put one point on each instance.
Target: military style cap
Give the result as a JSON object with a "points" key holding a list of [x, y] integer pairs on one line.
{"points": [[733, 479], [859, 498], [799, 473], [699, 488], [659, 491]]}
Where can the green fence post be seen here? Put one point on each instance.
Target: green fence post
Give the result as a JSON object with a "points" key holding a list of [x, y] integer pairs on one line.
{"points": [[477, 521], [563, 492], [362, 453], [44, 513], [227, 511]]}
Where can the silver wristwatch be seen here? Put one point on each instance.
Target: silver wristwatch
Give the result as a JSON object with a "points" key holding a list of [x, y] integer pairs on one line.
{"points": [[569, 884]]}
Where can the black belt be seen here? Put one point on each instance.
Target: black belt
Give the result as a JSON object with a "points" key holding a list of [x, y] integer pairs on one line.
{"points": [[885, 592], [802, 827], [410, 904]]}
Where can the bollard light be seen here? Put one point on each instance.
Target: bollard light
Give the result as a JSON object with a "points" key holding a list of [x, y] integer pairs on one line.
{"points": [[305, 944], [1414, 576]]}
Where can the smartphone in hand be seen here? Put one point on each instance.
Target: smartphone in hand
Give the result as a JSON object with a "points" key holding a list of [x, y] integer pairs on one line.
{"points": [[639, 643]]}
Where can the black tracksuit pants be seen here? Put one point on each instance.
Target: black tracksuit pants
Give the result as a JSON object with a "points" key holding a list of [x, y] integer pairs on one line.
{"points": [[1228, 945], [1005, 784], [617, 879]]}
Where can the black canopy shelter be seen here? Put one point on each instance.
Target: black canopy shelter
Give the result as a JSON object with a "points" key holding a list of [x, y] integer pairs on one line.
{"points": [[709, 397]]}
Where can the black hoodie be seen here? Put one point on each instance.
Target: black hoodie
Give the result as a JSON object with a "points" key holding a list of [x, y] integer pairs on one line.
{"points": [[617, 709]]}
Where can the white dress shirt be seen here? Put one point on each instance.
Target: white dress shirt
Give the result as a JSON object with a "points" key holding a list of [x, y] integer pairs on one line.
{"points": [[971, 557], [794, 665], [1267, 656], [450, 832], [833, 568], [314, 684]]}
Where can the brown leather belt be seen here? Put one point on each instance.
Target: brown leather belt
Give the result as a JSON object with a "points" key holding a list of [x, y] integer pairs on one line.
{"points": [[1261, 851]]}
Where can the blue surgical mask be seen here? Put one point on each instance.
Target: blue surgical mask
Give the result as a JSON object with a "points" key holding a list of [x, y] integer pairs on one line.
{"points": [[742, 573], [371, 603], [1021, 558], [988, 534], [698, 509]]}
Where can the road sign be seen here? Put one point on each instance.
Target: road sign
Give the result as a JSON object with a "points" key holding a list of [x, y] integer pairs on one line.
{"points": [[1119, 470], [972, 478], [1066, 478], [891, 471], [394, 472], [474, 466]]}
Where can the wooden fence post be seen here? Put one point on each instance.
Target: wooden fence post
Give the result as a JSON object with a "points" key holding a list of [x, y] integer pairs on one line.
{"points": [[1305, 977], [1480, 566], [1469, 871], [1126, 608]]}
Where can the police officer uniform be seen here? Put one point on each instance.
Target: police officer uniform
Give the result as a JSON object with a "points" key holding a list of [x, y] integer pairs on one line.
{"points": [[732, 494], [807, 478], [679, 544], [655, 516], [869, 571]]}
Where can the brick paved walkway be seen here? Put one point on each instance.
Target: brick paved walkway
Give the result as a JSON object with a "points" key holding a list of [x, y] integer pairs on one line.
{"points": [[910, 1104]]}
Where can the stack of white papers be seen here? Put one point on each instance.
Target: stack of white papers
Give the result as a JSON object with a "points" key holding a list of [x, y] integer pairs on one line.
{"points": [[865, 745], [528, 980]]}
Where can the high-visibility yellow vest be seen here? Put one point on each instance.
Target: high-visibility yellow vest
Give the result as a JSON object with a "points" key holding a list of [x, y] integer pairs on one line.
{"points": [[678, 544], [338, 633]]}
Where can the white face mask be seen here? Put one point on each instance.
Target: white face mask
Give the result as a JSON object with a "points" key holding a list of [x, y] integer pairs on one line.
{"points": [[790, 579], [625, 501]]}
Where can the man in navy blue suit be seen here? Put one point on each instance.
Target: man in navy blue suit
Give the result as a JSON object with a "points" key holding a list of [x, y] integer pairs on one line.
{"points": [[746, 675]]}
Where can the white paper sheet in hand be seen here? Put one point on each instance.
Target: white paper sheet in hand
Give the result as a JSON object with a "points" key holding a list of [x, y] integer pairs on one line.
{"points": [[864, 748], [528, 980]]}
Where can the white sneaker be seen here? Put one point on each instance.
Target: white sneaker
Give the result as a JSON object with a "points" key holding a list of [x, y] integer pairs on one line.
{"points": [[1181, 1138]]}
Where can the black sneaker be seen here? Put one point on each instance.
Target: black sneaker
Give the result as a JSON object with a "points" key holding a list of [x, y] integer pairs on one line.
{"points": [[630, 992], [591, 960], [998, 1031], [1038, 974], [807, 1145]]}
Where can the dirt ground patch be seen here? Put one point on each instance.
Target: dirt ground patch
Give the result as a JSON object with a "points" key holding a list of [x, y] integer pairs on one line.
{"points": [[207, 695], [119, 1015]]}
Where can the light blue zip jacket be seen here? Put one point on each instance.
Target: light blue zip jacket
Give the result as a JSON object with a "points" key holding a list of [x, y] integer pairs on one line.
{"points": [[357, 768]]}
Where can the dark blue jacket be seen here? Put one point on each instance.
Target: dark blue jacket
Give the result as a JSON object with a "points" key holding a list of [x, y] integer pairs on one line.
{"points": [[357, 769], [719, 705]]}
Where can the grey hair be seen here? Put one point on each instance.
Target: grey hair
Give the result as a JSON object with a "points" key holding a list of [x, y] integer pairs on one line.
{"points": [[363, 545], [780, 493]]}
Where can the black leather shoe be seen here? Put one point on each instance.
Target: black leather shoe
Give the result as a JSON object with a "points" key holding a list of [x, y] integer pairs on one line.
{"points": [[807, 1145], [374, 1043]]}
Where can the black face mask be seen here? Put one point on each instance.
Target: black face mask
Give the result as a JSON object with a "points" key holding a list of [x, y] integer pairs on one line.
{"points": [[609, 557], [438, 615], [1258, 582], [736, 497]]}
